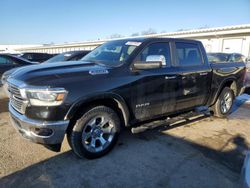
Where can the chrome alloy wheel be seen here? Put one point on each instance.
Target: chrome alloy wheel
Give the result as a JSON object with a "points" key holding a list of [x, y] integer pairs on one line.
{"points": [[98, 133], [226, 102]]}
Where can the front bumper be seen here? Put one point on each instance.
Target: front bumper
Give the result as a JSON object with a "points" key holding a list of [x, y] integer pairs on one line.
{"points": [[29, 128], [242, 90]]}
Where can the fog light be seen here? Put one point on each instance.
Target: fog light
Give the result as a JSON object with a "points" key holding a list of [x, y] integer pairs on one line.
{"points": [[42, 131]]}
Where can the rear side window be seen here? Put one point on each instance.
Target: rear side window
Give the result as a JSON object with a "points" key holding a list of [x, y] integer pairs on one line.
{"points": [[76, 57], [188, 54], [28, 56]]}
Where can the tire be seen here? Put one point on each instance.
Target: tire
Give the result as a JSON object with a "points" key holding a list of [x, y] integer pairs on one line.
{"points": [[95, 133], [224, 103]]}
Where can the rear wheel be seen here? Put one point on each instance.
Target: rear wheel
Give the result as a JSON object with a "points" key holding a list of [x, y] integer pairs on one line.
{"points": [[95, 133], [224, 103]]}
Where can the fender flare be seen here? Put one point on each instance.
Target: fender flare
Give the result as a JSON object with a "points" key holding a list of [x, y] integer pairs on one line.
{"points": [[221, 86], [97, 96]]}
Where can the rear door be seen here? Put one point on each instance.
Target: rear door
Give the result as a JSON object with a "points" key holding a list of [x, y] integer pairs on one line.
{"points": [[194, 75]]}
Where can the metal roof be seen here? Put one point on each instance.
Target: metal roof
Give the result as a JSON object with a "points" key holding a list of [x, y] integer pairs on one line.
{"points": [[215, 31]]}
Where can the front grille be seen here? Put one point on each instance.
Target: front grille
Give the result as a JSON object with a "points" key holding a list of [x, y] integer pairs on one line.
{"points": [[14, 90], [16, 100]]}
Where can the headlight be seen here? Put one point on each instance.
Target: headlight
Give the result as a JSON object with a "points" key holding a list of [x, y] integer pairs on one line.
{"points": [[46, 97]]}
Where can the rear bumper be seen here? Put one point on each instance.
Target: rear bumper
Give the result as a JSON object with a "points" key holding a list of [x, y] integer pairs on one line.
{"points": [[42, 132]]}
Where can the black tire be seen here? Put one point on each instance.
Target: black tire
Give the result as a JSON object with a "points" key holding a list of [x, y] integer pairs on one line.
{"points": [[218, 108], [75, 136], [247, 90], [69, 132]]}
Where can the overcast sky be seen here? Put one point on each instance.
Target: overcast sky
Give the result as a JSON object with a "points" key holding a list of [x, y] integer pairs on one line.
{"points": [[59, 21]]}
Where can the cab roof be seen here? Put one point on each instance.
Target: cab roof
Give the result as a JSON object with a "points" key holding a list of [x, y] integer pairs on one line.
{"points": [[152, 39]]}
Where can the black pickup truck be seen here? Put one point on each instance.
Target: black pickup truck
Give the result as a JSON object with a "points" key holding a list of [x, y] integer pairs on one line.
{"points": [[119, 84]]}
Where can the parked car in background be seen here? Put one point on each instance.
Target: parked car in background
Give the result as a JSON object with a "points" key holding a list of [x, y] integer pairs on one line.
{"points": [[248, 77], [237, 57], [36, 57], [225, 57], [248, 66], [68, 56], [8, 62], [217, 57], [120, 83]]}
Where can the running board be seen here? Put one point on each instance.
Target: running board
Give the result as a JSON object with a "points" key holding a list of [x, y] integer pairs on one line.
{"points": [[170, 121]]}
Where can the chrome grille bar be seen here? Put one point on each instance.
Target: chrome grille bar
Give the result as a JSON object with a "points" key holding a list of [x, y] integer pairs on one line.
{"points": [[16, 100]]}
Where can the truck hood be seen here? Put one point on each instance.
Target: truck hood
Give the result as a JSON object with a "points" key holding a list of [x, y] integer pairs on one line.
{"points": [[45, 73]]}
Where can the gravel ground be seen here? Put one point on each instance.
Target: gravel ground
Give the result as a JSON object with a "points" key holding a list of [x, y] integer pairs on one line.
{"points": [[205, 152]]}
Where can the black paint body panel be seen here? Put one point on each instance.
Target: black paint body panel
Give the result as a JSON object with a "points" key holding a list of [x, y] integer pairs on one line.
{"points": [[146, 94]]}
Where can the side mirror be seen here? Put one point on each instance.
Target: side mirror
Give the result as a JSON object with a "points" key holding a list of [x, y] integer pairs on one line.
{"points": [[152, 62]]}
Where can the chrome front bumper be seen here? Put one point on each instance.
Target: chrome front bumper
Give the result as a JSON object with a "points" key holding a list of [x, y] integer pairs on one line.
{"points": [[29, 128], [242, 90]]}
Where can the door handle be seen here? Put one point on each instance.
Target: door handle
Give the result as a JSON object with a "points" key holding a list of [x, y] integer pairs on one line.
{"points": [[170, 77], [203, 73]]}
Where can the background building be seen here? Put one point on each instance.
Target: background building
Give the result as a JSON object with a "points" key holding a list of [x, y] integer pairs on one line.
{"points": [[14, 48], [220, 39]]}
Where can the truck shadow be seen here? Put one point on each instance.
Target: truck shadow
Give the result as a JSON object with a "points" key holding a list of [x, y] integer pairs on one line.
{"points": [[148, 159]]}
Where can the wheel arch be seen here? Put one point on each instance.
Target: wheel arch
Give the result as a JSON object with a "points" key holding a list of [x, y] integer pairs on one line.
{"points": [[112, 100], [231, 83]]}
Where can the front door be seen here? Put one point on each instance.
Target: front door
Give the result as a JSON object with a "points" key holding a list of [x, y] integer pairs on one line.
{"points": [[153, 92]]}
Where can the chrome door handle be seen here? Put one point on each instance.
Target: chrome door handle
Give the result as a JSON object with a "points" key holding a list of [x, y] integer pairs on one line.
{"points": [[203, 73], [170, 77]]}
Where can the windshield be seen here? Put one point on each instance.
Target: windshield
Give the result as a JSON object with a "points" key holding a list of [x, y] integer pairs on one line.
{"points": [[112, 53], [59, 57]]}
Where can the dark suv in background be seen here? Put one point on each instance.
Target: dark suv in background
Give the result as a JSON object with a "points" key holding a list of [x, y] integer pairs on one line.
{"points": [[36, 57], [8, 62], [68, 56], [219, 57]]}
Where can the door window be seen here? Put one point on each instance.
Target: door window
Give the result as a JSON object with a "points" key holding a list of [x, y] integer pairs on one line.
{"points": [[155, 49], [188, 54]]}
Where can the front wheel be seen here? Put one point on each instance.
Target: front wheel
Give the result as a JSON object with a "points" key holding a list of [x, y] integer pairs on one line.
{"points": [[95, 133], [224, 103]]}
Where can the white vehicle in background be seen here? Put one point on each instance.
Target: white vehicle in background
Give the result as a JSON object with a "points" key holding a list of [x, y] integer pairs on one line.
{"points": [[248, 76]]}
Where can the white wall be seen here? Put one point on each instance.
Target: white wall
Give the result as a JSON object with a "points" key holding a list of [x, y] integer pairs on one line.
{"points": [[228, 45], [15, 47], [220, 39]]}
